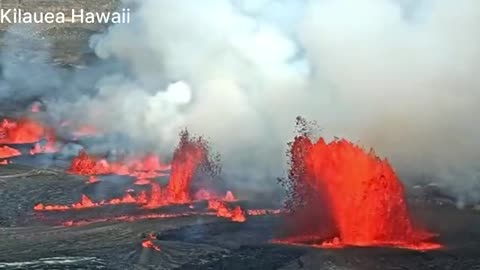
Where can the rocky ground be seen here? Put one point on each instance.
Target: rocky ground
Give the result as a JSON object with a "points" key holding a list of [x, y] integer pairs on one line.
{"points": [[68, 42]]}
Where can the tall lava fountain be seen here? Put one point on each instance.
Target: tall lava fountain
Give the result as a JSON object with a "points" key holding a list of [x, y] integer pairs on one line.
{"points": [[357, 195]]}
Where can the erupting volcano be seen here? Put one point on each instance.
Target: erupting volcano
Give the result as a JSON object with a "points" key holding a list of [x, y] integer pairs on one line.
{"points": [[190, 155], [344, 196]]}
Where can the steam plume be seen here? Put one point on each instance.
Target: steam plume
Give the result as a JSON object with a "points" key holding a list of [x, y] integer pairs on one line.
{"points": [[396, 75]]}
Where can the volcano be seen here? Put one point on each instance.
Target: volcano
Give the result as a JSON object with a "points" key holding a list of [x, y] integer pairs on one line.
{"points": [[349, 196], [340, 197]]}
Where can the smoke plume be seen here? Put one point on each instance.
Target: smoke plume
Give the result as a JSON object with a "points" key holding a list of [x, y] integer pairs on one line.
{"points": [[396, 75]]}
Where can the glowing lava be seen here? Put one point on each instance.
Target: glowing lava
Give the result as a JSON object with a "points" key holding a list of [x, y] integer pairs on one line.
{"points": [[144, 168], [85, 203], [148, 243], [189, 155], [363, 200], [21, 131], [222, 210], [7, 152]]}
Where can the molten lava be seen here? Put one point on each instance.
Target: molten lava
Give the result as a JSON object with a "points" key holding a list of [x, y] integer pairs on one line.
{"points": [[85, 202], [7, 152], [363, 200], [148, 243], [188, 157], [223, 210], [21, 131], [190, 154], [145, 168]]}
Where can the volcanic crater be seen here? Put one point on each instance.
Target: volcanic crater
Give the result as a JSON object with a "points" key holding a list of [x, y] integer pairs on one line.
{"points": [[73, 210], [71, 200]]}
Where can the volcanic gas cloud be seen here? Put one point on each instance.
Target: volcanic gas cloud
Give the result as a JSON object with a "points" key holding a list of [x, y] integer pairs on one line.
{"points": [[344, 196]]}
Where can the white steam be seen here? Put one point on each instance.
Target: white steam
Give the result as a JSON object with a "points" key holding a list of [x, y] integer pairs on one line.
{"points": [[400, 76]]}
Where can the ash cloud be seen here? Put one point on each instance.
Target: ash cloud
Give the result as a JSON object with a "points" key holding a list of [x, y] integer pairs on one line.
{"points": [[396, 75]]}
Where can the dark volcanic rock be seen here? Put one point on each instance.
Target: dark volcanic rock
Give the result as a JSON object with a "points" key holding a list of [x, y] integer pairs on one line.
{"points": [[69, 40]]}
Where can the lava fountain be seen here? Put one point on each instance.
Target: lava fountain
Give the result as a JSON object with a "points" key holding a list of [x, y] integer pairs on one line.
{"points": [[349, 196]]}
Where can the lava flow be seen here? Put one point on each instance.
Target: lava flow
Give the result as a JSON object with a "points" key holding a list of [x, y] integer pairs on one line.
{"points": [[86, 202], [7, 152], [189, 156], [148, 243], [25, 131], [22, 131], [363, 200], [223, 210], [147, 167]]}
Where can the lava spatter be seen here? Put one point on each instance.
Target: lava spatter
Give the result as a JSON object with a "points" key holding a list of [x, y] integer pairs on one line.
{"points": [[21, 131], [144, 168], [362, 199], [148, 242], [7, 152], [223, 210], [190, 154]]}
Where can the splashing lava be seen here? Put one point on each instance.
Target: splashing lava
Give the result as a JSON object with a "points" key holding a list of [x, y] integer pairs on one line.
{"points": [[363, 199]]}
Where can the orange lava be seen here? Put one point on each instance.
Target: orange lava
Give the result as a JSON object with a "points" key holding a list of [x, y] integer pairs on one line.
{"points": [[335, 243], [85, 203], [148, 243], [187, 158], [144, 168], [222, 210], [21, 131], [190, 155], [362, 199], [7, 152], [133, 218]]}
